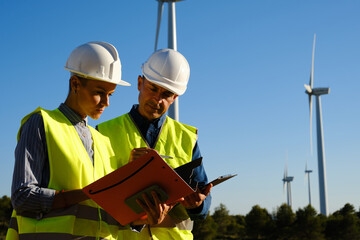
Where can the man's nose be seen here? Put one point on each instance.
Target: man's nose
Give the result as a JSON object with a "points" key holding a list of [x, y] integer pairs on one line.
{"points": [[105, 100]]}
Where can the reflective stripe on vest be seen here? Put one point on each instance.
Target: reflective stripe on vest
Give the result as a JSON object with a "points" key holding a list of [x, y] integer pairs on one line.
{"points": [[172, 222], [62, 236], [158, 234], [175, 139], [78, 210], [71, 168]]}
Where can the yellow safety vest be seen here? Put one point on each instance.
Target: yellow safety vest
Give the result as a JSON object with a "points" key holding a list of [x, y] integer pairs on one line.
{"points": [[70, 168], [176, 140]]}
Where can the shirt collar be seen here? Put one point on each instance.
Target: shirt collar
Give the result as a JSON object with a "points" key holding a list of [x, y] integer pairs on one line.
{"points": [[141, 121], [73, 117]]}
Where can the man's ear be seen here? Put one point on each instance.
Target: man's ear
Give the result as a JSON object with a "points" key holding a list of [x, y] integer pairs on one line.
{"points": [[74, 83], [140, 82]]}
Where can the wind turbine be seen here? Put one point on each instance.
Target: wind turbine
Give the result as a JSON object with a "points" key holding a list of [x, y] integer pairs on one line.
{"points": [[287, 184], [307, 172], [173, 111], [317, 92]]}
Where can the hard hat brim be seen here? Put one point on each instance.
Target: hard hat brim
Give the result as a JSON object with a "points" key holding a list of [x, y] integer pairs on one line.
{"points": [[174, 90], [117, 82]]}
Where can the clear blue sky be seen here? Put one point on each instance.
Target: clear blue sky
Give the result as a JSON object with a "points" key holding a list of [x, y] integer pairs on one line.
{"points": [[249, 62]]}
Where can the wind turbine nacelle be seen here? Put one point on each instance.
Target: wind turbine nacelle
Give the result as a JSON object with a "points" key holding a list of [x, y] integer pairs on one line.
{"points": [[320, 91], [288, 179]]}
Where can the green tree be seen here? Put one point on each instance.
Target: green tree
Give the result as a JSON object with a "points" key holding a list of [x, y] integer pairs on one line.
{"points": [[284, 219], [222, 219], [343, 224], [205, 229], [5, 214], [305, 224], [308, 224], [259, 224], [236, 229]]}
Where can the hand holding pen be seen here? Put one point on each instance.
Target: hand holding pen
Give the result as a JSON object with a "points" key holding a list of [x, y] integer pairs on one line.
{"points": [[139, 152]]}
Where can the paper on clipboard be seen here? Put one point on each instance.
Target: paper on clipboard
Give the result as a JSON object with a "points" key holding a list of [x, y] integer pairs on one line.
{"points": [[111, 191]]}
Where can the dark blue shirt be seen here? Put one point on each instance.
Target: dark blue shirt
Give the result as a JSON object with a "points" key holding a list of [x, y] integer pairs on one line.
{"points": [[150, 132]]}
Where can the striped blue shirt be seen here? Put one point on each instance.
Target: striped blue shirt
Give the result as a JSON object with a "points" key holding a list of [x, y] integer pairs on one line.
{"points": [[29, 192]]}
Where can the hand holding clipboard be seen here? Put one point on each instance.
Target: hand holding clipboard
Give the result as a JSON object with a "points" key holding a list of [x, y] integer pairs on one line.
{"points": [[195, 199]]}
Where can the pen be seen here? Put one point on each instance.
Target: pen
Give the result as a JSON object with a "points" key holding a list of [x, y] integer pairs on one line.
{"points": [[164, 156]]}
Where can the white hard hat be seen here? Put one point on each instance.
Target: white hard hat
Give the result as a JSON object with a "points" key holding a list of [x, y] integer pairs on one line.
{"points": [[96, 60], [169, 69]]}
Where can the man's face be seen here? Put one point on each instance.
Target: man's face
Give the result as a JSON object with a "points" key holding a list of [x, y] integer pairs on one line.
{"points": [[93, 97], [154, 100]]}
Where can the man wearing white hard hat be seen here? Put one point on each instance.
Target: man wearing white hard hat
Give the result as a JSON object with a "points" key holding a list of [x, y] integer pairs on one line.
{"points": [[58, 154], [146, 126]]}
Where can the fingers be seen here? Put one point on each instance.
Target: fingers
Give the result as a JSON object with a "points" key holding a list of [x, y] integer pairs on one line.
{"points": [[155, 210], [207, 189], [158, 210], [139, 152], [159, 206], [193, 200], [196, 199], [176, 202], [146, 208]]}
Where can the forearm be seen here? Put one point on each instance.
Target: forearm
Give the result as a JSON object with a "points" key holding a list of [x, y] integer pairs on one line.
{"points": [[32, 199], [67, 198]]}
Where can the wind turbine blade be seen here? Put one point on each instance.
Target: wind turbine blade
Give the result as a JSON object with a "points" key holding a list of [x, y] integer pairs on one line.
{"points": [[286, 164], [285, 184], [160, 10], [310, 108], [312, 65], [284, 187], [306, 173]]}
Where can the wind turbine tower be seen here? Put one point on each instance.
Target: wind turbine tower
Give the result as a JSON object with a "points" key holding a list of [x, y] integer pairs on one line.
{"points": [[173, 111], [317, 92], [287, 183], [307, 172]]}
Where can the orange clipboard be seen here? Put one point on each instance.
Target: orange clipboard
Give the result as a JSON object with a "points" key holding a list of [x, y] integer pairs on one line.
{"points": [[111, 191]]}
